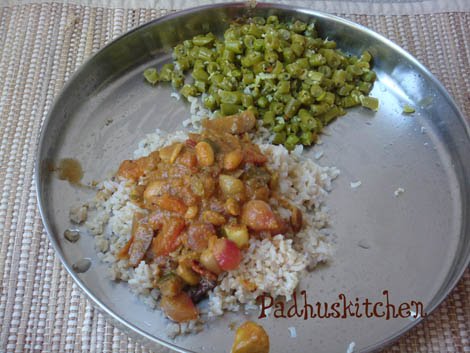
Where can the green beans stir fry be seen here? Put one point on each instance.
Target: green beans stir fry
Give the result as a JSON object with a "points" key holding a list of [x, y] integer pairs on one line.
{"points": [[292, 79]]}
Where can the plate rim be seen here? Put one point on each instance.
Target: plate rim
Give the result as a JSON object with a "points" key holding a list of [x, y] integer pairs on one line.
{"points": [[129, 327]]}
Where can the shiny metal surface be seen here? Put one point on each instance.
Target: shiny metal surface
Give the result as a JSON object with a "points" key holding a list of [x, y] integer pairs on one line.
{"points": [[416, 245]]}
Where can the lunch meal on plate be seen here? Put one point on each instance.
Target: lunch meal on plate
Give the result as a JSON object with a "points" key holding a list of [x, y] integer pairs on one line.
{"points": [[230, 209]]}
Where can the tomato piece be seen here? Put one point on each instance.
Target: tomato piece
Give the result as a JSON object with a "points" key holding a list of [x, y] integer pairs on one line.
{"points": [[252, 154], [124, 252], [171, 203], [134, 169], [188, 159], [179, 308], [191, 143], [168, 239], [156, 219], [227, 254], [259, 216], [198, 235], [130, 170], [142, 235]]}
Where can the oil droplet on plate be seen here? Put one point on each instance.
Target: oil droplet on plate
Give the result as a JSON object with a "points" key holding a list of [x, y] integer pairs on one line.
{"points": [[70, 169]]}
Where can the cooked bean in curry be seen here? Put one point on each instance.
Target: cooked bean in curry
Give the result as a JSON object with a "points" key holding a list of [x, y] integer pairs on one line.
{"points": [[202, 200]]}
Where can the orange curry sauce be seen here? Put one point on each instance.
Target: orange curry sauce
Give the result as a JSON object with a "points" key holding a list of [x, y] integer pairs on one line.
{"points": [[201, 202]]}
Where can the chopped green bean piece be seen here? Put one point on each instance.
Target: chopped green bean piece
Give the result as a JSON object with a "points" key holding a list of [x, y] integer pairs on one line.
{"points": [[246, 100], [315, 76], [229, 109], [235, 46], [248, 77], [276, 107], [298, 48], [284, 34], [354, 70], [317, 60], [307, 138], [369, 76], [291, 108], [293, 126], [366, 56], [166, 72], [291, 141], [227, 56], [272, 20], [364, 87], [151, 75], [259, 20], [317, 109], [307, 121], [339, 78], [278, 68], [329, 44], [326, 71], [280, 124], [188, 90], [200, 75], [261, 67], [262, 102], [283, 87], [305, 98], [272, 41], [288, 55], [268, 118], [279, 138], [408, 109], [184, 63], [230, 97], [371, 103], [299, 26], [258, 44], [251, 58], [188, 44], [349, 101], [331, 114], [271, 56], [329, 98], [201, 86], [205, 54], [249, 41], [177, 79], [179, 51], [210, 102], [345, 90], [316, 91], [227, 84], [203, 40]]}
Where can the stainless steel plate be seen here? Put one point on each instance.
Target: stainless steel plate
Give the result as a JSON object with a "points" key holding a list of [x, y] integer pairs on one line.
{"points": [[416, 245]]}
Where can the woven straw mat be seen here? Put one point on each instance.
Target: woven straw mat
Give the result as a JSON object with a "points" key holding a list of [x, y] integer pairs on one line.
{"points": [[41, 45]]}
